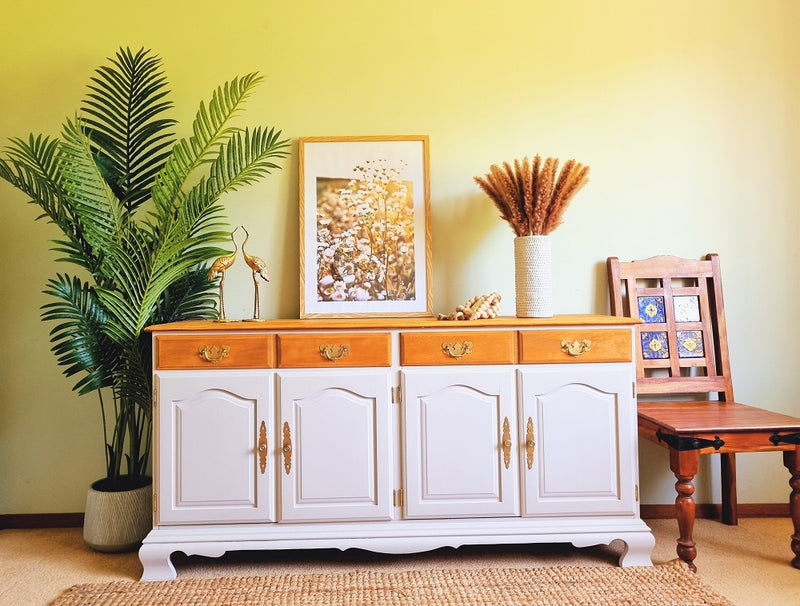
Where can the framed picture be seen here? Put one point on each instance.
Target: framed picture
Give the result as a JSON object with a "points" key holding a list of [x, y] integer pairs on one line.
{"points": [[365, 227]]}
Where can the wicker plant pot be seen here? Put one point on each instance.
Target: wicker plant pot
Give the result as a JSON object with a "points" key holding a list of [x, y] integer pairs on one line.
{"points": [[117, 521], [533, 276]]}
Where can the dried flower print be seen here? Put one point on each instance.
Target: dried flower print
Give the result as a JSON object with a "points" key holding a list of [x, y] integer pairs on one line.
{"points": [[365, 235]]}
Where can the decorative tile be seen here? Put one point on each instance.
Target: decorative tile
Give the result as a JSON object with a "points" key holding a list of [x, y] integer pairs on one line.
{"points": [[651, 310], [654, 345], [690, 344], [687, 308]]}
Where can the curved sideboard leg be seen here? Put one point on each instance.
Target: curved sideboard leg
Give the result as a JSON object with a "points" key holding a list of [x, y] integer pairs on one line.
{"points": [[638, 550], [155, 559]]}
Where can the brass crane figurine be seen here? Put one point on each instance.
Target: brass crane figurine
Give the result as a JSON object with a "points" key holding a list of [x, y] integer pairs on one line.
{"points": [[217, 270], [259, 271]]}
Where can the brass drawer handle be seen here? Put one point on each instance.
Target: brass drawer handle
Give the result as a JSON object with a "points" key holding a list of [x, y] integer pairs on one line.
{"points": [[262, 447], [506, 442], [576, 348], [334, 353], [457, 350], [287, 448], [530, 443], [213, 353]]}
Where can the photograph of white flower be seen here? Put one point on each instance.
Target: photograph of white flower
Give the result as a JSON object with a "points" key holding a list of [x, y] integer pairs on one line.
{"points": [[364, 223]]}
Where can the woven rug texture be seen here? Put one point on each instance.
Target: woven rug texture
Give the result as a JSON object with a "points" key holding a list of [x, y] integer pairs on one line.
{"points": [[670, 584]]}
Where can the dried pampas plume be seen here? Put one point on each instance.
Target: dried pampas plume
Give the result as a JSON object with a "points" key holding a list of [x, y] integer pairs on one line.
{"points": [[532, 196]]}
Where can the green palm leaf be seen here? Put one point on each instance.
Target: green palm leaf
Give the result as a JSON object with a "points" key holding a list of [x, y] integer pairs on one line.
{"points": [[78, 339], [121, 119], [191, 297], [95, 207], [209, 130], [246, 158], [34, 167]]}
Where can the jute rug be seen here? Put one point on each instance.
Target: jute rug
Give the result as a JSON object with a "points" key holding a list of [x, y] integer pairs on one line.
{"points": [[670, 584]]}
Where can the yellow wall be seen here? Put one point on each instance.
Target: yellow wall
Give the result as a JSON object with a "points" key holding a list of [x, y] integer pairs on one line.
{"points": [[686, 111]]}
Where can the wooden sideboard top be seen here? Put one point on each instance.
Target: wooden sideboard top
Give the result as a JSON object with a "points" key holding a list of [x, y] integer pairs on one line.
{"points": [[391, 323]]}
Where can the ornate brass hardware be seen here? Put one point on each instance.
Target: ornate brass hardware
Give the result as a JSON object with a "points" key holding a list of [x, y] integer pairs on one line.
{"points": [[213, 353], [530, 443], [262, 447], [334, 352], [457, 350], [576, 348], [287, 448], [506, 440]]}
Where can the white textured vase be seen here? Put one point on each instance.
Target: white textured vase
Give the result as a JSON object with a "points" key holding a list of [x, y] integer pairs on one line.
{"points": [[117, 521], [533, 276]]}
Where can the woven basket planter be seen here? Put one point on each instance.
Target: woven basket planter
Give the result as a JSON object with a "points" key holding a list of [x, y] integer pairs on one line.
{"points": [[533, 276], [117, 521]]}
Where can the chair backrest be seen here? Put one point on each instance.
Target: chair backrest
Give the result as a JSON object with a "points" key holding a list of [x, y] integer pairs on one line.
{"points": [[682, 343]]}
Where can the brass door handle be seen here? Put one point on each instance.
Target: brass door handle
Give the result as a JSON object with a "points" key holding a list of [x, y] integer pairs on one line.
{"points": [[334, 353], [457, 350], [576, 348], [287, 448], [262, 447], [530, 443], [506, 442], [213, 353]]}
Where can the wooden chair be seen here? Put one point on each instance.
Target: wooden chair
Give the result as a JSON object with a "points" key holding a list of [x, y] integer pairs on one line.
{"points": [[682, 353]]}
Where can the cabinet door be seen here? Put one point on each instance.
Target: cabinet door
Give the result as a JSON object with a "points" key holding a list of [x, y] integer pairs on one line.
{"points": [[213, 440], [460, 452], [335, 433], [579, 421]]}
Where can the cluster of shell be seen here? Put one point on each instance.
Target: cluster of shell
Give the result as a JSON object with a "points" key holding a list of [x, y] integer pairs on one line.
{"points": [[477, 308]]}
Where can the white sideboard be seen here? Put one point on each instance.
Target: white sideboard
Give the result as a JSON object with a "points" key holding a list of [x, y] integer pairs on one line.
{"points": [[394, 435]]}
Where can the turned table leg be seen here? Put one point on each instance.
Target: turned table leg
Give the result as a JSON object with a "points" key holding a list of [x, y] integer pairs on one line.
{"points": [[791, 458], [685, 464]]}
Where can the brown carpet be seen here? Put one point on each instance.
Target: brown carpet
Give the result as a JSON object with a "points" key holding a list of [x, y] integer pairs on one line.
{"points": [[670, 584]]}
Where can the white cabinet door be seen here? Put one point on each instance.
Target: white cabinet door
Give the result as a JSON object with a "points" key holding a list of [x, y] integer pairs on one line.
{"points": [[460, 443], [581, 421], [335, 434], [213, 445]]}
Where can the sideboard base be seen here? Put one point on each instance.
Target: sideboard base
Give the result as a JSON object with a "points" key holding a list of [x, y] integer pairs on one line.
{"points": [[394, 537]]}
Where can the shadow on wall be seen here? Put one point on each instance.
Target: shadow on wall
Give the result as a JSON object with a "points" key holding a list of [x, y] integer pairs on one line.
{"points": [[465, 259]]}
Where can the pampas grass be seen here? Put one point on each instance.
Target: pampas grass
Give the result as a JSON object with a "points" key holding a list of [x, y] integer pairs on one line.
{"points": [[532, 196]]}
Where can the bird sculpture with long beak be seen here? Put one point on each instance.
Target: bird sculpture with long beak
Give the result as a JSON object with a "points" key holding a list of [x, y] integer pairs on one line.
{"points": [[259, 268], [217, 270]]}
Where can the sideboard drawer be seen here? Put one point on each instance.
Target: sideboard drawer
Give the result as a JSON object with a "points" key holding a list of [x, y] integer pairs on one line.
{"points": [[574, 345], [448, 348], [334, 349], [211, 351]]}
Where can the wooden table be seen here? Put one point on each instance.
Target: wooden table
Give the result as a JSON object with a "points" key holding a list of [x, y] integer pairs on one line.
{"points": [[689, 429]]}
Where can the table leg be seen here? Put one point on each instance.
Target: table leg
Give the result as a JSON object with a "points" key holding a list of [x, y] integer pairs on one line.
{"points": [[791, 458], [685, 464]]}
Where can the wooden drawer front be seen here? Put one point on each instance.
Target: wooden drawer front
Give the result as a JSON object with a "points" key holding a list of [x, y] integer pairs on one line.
{"points": [[574, 345], [468, 347], [212, 351], [330, 350]]}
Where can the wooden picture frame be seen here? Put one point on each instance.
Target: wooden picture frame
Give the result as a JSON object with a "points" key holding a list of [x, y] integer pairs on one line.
{"points": [[365, 226]]}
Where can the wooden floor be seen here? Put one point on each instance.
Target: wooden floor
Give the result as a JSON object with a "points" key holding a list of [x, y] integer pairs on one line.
{"points": [[748, 563]]}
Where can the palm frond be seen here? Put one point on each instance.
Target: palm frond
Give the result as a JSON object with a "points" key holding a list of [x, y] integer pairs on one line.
{"points": [[91, 200], [33, 166], [130, 141], [191, 297], [78, 340], [209, 130], [246, 158]]}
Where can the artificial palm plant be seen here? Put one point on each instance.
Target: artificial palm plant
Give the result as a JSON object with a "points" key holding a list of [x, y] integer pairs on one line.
{"points": [[140, 216]]}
